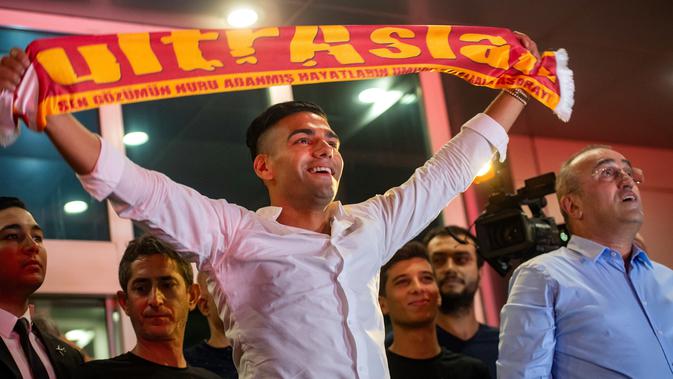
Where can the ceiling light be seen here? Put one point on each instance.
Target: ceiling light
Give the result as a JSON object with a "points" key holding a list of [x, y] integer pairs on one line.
{"points": [[80, 337], [135, 138], [408, 98], [371, 95], [392, 96], [74, 207], [242, 17]]}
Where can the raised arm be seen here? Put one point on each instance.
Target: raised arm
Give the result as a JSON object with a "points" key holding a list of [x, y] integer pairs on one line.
{"points": [[79, 147], [506, 108]]}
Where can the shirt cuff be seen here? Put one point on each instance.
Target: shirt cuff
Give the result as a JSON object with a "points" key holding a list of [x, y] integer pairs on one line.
{"points": [[490, 129], [103, 180]]}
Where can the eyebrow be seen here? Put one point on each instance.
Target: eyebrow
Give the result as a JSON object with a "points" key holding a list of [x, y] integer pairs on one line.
{"points": [[311, 132], [18, 226], [610, 160]]}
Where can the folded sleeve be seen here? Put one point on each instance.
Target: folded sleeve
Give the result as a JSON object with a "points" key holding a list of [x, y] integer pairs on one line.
{"points": [[176, 213], [405, 210]]}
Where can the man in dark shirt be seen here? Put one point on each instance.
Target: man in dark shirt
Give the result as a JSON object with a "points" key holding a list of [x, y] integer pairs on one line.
{"points": [[454, 258], [157, 295], [408, 294], [214, 354]]}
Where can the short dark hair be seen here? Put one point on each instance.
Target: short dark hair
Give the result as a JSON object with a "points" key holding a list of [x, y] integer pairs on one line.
{"points": [[410, 250], [272, 115], [11, 202], [150, 245], [462, 235]]}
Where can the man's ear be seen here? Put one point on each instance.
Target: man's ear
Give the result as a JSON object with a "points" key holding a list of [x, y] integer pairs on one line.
{"points": [[261, 167], [383, 304], [194, 292], [572, 206], [122, 299]]}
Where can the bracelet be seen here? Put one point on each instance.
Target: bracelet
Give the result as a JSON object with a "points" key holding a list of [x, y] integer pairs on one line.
{"points": [[518, 94]]}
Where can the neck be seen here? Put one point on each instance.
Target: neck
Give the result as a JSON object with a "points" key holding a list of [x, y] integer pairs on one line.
{"points": [[165, 353], [217, 339], [316, 219], [16, 305], [462, 323], [415, 342], [617, 239]]}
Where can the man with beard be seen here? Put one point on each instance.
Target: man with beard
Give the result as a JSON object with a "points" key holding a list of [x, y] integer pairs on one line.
{"points": [[454, 258], [598, 308], [408, 294], [158, 291]]}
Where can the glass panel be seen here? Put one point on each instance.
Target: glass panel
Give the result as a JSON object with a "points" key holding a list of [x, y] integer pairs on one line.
{"points": [[33, 170], [83, 321], [199, 141]]}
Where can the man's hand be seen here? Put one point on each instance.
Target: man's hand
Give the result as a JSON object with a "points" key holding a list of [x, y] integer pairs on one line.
{"points": [[12, 68], [528, 43]]}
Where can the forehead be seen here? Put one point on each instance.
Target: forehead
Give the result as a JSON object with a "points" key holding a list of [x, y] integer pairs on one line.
{"points": [[154, 266], [448, 244], [411, 266], [301, 120], [16, 215], [595, 157]]}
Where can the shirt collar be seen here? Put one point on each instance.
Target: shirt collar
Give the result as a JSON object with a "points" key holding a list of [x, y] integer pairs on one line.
{"points": [[593, 250], [8, 320], [341, 220]]}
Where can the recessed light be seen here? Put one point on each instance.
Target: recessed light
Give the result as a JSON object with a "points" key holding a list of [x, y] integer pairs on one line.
{"points": [[371, 95], [242, 17], [408, 98], [74, 207], [135, 138]]}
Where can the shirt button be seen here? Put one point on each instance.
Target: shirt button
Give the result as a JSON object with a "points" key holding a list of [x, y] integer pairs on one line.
{"points": [[614, 254], [644, 302], [660, 332]]}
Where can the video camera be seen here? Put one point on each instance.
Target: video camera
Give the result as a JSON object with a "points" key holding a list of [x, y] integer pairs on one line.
{"points": [[505, 234]]}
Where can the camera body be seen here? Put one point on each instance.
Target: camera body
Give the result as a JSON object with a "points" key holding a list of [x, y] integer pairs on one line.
{"points": [[506, 235]]}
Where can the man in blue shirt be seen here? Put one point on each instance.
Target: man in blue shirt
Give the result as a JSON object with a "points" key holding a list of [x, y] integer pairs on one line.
{"points": [[598, 308]]}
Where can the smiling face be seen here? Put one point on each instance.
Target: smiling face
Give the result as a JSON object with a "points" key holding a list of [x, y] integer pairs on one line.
{"points": [[603, 204], [23, 258], [299, 161], [157, 299], [411, 294]]}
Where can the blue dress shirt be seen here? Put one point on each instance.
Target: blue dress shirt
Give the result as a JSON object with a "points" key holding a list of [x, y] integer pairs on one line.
{"points": [[577, 312]]}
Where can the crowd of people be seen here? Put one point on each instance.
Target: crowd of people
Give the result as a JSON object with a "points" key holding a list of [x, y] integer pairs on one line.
{"points": [[298, 289]]}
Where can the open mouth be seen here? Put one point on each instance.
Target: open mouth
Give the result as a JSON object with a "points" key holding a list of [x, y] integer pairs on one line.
{"points": [[321, 170], [628, 197]]}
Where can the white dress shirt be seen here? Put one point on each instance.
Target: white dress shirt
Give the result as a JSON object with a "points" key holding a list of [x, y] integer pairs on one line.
{"points": [[13, 343], [296, 303]]}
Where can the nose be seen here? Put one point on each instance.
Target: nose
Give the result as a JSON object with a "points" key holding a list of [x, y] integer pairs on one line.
{"points": [[323, 149], [156, 297], [30, 244]]}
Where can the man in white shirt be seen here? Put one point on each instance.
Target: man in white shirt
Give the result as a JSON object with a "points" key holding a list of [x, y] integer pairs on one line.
{"points": [[297, 282]]}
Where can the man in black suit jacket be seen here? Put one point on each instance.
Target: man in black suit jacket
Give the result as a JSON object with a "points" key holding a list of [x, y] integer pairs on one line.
{"points": [[25, 351]]}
